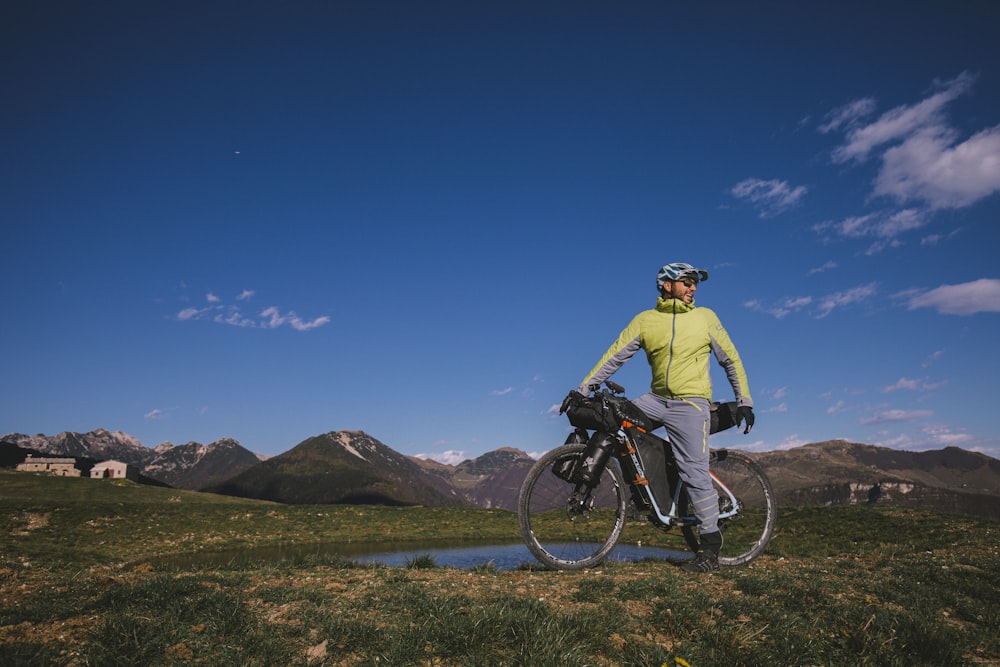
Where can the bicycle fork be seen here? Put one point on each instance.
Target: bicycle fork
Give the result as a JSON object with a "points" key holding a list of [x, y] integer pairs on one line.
{"points": [[587, 473]]}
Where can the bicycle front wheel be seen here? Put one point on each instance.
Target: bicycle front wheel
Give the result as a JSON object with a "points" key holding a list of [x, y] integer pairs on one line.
{"points": [[748, 531], [565, 525]]}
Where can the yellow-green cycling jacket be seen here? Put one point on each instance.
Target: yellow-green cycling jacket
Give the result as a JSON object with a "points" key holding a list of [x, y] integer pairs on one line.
{"points": [[677, 338]]}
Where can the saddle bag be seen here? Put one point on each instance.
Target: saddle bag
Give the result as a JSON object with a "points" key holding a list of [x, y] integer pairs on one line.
{"points": [[723, 416]]}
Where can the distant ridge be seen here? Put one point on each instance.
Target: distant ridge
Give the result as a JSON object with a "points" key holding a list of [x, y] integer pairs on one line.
{"points": [[192, 466], [351, 467], [838, 472], [492, 480], [345, 467], [196, 467]]}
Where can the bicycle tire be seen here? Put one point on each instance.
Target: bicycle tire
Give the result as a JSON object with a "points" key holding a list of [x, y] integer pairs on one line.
{"points": [[556, 531], [746, 535]]}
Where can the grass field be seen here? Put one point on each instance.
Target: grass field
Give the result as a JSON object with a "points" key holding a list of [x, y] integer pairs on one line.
{"points": [[837, 586]]}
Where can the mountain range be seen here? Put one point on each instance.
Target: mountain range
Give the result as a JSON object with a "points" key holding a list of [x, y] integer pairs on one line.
{"points": [[351, 467]]}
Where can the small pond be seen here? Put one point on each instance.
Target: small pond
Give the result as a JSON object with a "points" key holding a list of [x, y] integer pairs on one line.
{"points": [[463, 555]]}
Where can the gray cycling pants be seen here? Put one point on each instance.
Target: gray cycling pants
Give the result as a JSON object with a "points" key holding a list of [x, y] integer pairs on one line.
{"points": [[687, 422]]}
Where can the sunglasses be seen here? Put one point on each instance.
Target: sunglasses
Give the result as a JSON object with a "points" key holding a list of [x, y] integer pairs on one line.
{"points": [[688, 281]]}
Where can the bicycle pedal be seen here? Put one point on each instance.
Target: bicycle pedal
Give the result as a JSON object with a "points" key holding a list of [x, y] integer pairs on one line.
{"points": [[633, 513], [657, 524]]}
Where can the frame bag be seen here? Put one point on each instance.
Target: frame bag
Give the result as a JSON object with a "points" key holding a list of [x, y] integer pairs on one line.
{"points": [[662, 478]]}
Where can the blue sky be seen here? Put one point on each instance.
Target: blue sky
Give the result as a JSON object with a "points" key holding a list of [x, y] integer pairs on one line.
{"points": [[427, 221]]}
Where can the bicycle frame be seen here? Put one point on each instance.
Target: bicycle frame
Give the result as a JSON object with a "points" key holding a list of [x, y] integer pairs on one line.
{"points": [[635, 475]]}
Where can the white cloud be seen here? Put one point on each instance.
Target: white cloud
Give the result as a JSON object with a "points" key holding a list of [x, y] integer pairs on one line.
{"points": [[770, 197], [885, 227], [900, 222], [934, 239], [783, 308], [791, 442], [269, 318], [953, 439], [943, 435], [823, 306], [300, 325], [234, 318], [903, 383], [935, 436], [848, 115], [910, 384], [272, 319], [856, 226], [501, 392], [191, 313], [896, 416], [825, 267], [797, 302], [901, 122], [450, 457], [849, 297], [923, 158], [931, 167], [932, 357], [901, 441], [978, 296], [155, 414]]}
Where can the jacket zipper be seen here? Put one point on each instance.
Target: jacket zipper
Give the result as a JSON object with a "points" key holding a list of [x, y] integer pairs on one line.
{"points": [[670, 360]]}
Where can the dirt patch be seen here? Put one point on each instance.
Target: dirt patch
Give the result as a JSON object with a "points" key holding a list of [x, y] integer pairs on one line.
{"points": [[25, 522], [69, 631]]}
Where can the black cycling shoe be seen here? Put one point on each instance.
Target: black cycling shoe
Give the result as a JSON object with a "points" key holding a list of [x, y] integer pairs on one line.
{"points": [[704, 561]]}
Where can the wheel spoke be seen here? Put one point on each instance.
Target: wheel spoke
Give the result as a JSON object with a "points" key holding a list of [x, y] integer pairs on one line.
{"points": [[567, 527], [747, 533]]}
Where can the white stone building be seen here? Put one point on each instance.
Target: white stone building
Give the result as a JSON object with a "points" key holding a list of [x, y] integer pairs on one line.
{"points": [[114, 470], [61, 467]]}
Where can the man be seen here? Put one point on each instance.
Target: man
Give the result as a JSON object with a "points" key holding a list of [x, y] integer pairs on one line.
{"points": [[677, 337]]}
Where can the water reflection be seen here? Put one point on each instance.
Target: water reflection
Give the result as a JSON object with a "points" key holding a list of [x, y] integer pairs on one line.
{"points": [[462, 555]]}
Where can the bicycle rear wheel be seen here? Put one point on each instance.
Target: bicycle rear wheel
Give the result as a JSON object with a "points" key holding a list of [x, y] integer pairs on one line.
{"points": [[565, 526], [747, 533]]}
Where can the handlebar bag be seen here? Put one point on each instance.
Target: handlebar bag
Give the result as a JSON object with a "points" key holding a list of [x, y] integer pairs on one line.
{"points": [[593, 413], [603, 412]]}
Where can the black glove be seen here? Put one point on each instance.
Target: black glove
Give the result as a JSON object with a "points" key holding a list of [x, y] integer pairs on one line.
{"points": [[745, 413], [572, 397]]}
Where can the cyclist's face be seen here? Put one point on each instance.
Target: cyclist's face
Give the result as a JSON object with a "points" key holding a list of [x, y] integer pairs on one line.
{"points": [[684, 289]]}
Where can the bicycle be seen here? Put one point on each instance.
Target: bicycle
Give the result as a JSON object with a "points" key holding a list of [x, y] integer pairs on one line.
{"points": [[573, 506]]}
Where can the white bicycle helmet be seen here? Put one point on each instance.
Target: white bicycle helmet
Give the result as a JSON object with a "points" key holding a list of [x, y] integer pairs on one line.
{"points": [[679, 271]]}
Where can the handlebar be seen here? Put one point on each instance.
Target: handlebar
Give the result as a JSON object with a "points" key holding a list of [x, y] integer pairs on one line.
{"points": [[613, 386], [574, 395]]}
